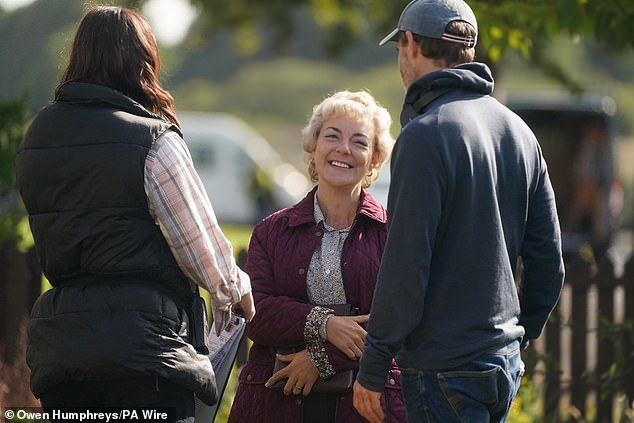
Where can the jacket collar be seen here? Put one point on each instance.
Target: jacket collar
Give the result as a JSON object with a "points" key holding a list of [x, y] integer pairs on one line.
{"points": [[303, 212], [86, 93]]}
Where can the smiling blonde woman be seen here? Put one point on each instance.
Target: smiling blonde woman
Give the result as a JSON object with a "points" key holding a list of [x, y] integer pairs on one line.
{"points": [[304, 260]]}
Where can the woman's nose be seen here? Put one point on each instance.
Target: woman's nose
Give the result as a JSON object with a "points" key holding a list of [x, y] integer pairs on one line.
{"points": [[344, 146]]}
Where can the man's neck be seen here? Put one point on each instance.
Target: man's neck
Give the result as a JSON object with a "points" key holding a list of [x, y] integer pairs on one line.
{"points": [[427, 66]]}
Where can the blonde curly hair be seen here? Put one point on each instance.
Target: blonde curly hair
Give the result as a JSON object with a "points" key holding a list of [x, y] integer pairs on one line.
{"points": [[360, 105]]}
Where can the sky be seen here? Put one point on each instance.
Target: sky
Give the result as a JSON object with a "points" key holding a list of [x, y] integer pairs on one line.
{"points": [[162, 15]]}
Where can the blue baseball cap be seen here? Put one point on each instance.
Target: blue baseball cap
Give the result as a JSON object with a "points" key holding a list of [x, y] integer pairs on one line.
{"points": [[429, 18]]}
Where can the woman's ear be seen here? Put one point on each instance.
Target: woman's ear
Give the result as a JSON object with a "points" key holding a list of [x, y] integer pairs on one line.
{"points": [[376, 159]]}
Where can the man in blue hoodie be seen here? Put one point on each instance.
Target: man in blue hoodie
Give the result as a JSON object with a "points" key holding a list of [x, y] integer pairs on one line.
{"points": [[469, 196]]}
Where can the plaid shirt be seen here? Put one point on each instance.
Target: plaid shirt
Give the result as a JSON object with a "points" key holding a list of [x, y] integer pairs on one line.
{"points": [[181, 208]]}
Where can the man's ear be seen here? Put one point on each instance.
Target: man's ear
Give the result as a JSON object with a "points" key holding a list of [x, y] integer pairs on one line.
{"points": [[412, 46]]}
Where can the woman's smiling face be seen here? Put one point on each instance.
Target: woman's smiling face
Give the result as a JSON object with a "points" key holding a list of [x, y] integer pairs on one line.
{"points": [[343, 152]]}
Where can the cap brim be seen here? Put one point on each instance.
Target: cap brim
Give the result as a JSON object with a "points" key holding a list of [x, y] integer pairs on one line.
{"points": [[392, 36]]}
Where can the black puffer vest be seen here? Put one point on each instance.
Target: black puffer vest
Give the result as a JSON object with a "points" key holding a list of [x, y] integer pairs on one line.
{"points": [[80, 170], [118, 307]]}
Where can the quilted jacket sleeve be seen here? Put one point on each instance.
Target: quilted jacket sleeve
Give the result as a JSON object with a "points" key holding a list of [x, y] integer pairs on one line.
{"points": [[280, 319]]}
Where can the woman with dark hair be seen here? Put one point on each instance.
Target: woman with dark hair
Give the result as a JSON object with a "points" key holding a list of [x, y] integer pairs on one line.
{"points": [[124, 231]]}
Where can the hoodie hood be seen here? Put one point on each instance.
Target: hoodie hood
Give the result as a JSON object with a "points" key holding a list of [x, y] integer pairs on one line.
{"points": [[475, 77]]}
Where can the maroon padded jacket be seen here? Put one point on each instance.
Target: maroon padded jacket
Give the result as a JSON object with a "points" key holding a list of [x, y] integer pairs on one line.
{"points": [[279, 255]]}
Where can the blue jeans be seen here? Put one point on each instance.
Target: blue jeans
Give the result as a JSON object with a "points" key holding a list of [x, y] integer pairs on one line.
{"points": [[480, 391]]}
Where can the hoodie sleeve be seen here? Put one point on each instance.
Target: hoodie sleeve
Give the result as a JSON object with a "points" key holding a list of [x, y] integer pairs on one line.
{"points": [[414, 210], [543, 267]]}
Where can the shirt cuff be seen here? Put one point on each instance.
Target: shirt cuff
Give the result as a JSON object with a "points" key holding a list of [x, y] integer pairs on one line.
{"points": [[323, 333], [243, 284], [317, 354], [314, 320], [232, 291]]}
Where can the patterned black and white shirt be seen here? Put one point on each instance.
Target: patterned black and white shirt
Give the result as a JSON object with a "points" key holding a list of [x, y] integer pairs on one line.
{"points": [[325, 286]]}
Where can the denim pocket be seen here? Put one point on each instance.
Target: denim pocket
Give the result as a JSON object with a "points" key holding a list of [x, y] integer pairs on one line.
{"points": [[467, 391]]}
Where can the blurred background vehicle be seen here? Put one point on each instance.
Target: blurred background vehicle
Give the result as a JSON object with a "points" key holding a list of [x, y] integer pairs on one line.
{"points": [[244, 176], [576, 134]]}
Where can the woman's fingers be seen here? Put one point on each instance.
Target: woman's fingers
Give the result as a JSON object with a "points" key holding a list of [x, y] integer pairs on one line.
{"points": [[347, 334], [362, 318], [307, 388], [299, 376], [354, 351], [293, 388], [280, 374]]}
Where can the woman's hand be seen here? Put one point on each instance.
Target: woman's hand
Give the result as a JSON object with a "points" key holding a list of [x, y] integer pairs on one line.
{"points": [[245, 306], [301, 374], [346, 333]]}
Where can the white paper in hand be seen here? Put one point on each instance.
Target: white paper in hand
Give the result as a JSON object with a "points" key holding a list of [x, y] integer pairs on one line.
{"points": [[223, 348], [220, 344]]}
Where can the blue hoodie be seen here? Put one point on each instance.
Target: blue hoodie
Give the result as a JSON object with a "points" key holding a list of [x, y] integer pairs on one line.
{"points": [[469, 194]]}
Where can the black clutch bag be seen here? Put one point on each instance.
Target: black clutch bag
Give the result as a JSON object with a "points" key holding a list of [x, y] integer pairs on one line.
{"points": [[341, 382]]}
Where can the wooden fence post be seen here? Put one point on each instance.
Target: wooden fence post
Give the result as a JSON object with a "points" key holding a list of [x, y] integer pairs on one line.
{"points": [[20, 285], [552, 380], [579, 283], [609, 348], [628, 341], [605, 350]]}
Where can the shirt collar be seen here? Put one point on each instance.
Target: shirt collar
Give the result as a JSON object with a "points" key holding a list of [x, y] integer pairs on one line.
{"points": [[303, 212]]}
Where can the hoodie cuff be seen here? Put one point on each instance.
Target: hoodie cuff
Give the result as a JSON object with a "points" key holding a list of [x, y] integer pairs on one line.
{"points": [[373, 371]]}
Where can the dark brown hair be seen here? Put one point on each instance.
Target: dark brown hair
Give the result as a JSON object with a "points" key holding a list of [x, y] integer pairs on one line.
{"points": [[443, 52], [115, 47]]}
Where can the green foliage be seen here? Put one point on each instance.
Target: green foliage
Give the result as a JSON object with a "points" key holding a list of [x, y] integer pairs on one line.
{"points": [[238, 235], [526, 404], [522, 25], [286, 89], [277, 96], [584, 64], [32, 49], [227, 399], [620, 335], [14, 117]]}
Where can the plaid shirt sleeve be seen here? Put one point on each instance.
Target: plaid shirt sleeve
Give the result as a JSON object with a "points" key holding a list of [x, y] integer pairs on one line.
{"points": [[181, 208]]}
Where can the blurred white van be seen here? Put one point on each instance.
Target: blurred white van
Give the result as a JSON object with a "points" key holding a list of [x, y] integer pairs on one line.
{"points": [[245, 177]]}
